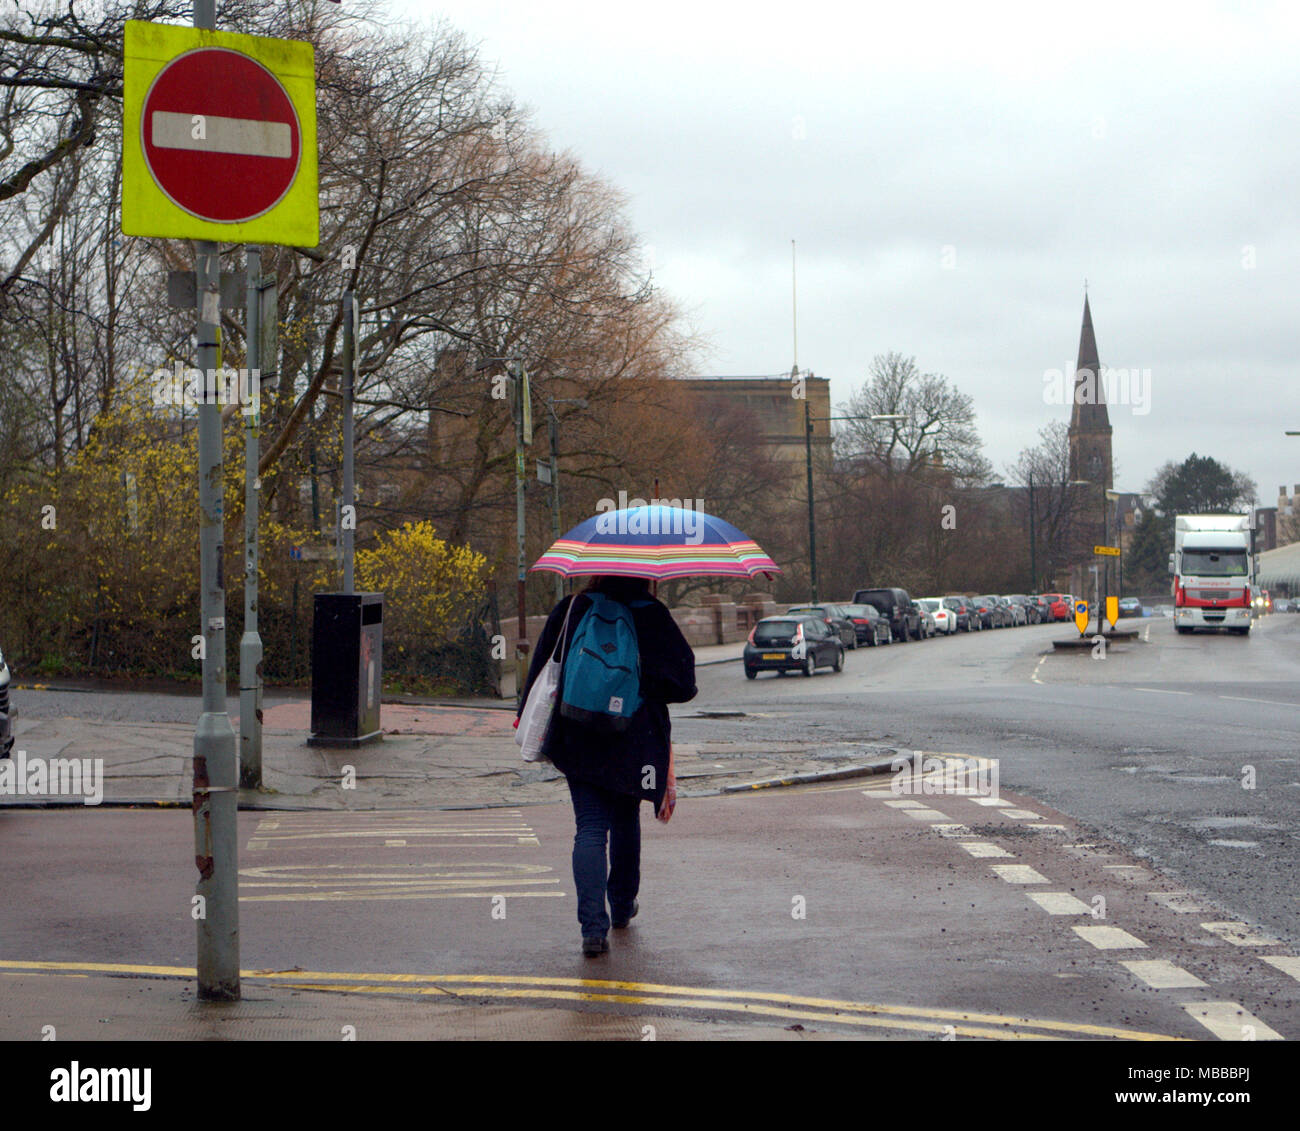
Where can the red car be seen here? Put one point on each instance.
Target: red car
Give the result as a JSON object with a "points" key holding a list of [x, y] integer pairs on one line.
{"points": [[1059, 606]]}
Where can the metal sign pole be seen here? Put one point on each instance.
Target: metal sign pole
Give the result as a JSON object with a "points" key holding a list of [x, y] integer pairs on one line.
{"points": [[250, 644], [216, 794]]}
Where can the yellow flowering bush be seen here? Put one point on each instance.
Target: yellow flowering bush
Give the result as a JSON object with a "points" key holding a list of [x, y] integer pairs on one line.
{"points": [[431, 588]]}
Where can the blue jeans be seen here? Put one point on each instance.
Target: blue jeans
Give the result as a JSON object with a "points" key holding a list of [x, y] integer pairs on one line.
{"points": [[604, 817]]}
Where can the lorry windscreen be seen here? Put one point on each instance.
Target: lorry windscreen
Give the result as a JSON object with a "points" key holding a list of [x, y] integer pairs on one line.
{"points": [[1214, 563]]}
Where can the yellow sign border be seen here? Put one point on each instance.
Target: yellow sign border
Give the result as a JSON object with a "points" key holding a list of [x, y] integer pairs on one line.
{"points": [[146, 209]]}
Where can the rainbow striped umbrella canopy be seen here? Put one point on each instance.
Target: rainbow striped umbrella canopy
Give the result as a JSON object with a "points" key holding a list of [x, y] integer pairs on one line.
{"points": [[657, 542]]}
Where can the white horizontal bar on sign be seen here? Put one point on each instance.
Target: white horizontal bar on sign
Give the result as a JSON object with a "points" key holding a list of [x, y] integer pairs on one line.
{"points": [[212, 134]]}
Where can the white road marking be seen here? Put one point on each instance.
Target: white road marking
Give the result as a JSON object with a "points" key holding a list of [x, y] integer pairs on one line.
{"points": [[1178, 901], [1059, 903], [255, 845], [990, 801], [1129, 873], [1161, 691], [394, 844], [1247, 699], [222, 135], [1021, 814], [1160, 974], [1018, 874], [1034, 674], [982, 848], [1240, 934], [1230, 1022], [926, 814], [1109, 938], [906, 804], [1284, 962], [951, 830]]}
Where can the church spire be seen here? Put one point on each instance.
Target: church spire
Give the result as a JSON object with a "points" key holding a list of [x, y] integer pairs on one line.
{"points": [[1089, 411], [1090, 431]]}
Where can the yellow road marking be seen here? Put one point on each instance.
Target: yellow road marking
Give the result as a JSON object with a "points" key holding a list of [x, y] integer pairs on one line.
{"points": [[713, 1006], [347, 896], [505, 985]]}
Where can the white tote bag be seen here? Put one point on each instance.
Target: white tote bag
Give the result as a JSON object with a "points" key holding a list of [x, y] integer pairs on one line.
{"points": [[540, 704]]}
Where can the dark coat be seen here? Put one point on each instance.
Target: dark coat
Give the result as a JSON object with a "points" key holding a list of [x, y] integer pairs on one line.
{"points": [[617, 760]]}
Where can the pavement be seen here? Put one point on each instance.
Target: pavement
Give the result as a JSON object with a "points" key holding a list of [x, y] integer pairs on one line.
{"points": [[851, 909], [458, 755]]}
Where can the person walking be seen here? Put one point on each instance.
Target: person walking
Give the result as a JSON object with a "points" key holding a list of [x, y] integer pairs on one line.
{"points": [[611, 769]]}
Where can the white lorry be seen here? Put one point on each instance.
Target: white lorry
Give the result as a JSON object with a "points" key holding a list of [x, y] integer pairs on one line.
{"points": [[1213, 564]]}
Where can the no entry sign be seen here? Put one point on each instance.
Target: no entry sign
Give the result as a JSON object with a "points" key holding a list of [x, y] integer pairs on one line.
{"points": [[219, 137]]}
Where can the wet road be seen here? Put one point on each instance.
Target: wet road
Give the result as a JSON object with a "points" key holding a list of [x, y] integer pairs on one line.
{"points": [[1151, 745]]}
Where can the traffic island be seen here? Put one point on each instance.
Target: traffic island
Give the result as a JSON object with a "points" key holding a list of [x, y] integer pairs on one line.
{"points": [[1088, 641]]}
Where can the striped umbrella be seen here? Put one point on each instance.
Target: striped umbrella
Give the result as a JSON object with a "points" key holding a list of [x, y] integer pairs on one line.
{"points": [[657, 542]]}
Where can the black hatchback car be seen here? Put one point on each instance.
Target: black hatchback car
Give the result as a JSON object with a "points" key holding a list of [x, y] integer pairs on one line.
{"points": [[792, 643], [897, 607], [872, 628], [833, 615]]}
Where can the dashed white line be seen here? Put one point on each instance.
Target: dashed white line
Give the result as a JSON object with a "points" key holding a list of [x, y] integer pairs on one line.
{"points": [[1161, 691], [1129, 873], [1161, 974], [907, 804], [926, 814], [1021, 814], [1284, 962], [1018, 874], [1034, 674], [1059, 903], [990, 801], [982, 849], [1109, 938], [951, 830], [1230, 1022], [1240, 934], [1178, 901]]}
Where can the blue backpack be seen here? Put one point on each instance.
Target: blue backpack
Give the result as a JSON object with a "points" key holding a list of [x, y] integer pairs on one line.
{"points": [[602, 669]]}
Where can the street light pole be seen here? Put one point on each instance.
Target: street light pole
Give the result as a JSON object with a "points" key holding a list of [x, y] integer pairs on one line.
{"points": [[812, 520], [1033, 547]]}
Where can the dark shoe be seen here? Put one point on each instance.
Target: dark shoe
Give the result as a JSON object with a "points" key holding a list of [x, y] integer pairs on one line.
{"points": [[593, 945], [619, 924]]}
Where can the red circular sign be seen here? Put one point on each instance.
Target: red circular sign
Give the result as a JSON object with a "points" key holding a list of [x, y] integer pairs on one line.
{"points": [[220, 136]]}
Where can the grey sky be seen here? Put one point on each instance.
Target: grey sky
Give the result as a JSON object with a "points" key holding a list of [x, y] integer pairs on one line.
{"points": [[952, 173]]}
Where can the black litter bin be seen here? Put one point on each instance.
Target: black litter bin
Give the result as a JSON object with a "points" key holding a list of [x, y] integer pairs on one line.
{"points": [[346, 668]]}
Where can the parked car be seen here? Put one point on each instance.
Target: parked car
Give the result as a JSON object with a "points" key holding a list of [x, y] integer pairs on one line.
{"points": [[1043, 607], [834, 616], [1015, 606], [967, 618], [897, 607], [945, 619], [871, 627], [990, 612], [1130, 607], [6, 723], [1030, 605], [798, 643], [1061, 606]]}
